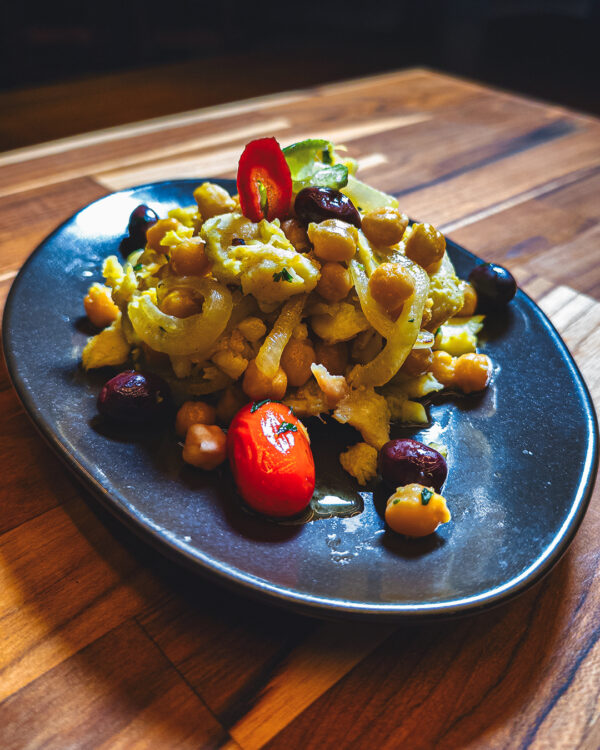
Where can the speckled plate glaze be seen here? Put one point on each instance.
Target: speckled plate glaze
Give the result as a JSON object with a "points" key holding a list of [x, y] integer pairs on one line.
{"points": [[522, 462]]}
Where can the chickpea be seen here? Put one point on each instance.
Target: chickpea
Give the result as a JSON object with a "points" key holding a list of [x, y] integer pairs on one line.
{"points": [[181, 303], [205, 446], [332, 356], [333, 239], [416, 510], [391, 285], [99, 307], [189, 259], [384, 226], [258, 386], [213, 200], [230, 403], [470, 300], [157, 231], [418, 362], [252, 329], [194, 412], [425, 245], [472, 372], [296, 360], [335, 282], [443, 367], [296, 234]]}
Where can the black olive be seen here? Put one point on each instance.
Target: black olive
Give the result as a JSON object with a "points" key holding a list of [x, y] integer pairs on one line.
{"points": [[406, 461], [495, 286], [135, 398], [320, 203], [140, 220]]}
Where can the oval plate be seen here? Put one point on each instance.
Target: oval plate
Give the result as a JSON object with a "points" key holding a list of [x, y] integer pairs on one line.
{"points": [[522, 456]]}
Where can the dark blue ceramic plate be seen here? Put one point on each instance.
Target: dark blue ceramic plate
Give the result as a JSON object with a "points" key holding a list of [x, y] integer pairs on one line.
{"points": [[522, 457]]}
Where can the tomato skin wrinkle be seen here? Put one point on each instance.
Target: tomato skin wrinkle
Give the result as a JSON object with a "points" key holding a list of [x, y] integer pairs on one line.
{"points": [[274, 473], [262, 163]]}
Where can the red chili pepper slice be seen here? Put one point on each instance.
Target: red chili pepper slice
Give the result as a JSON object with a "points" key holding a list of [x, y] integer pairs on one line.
{"points": [[264, 181], [271, 460]]}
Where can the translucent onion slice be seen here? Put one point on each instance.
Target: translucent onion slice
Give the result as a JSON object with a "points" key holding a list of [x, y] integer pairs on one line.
{"points": [[269, 354], [424, 340], [182, 336], [371, 310], [401, 341], [361, 270]]}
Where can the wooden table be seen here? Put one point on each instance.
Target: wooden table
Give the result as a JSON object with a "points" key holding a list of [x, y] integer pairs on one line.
{"points": [[104, 644]]}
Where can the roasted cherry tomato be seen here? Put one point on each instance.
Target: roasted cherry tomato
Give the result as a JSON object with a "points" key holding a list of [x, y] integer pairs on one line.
{"points": [[264, 181], [271, 459]]}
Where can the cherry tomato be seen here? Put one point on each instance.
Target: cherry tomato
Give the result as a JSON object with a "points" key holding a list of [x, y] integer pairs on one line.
{"points": [[264, 181], [271, 459]]}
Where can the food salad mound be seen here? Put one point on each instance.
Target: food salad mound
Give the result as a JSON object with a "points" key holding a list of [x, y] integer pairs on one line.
{"points": [[309, 288]]}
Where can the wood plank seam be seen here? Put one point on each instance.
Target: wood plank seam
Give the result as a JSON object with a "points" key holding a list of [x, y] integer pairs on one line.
{"points": [[228, 157], [543, 189], [546, 133], [183, 119], [182, 676], [541, 588]]}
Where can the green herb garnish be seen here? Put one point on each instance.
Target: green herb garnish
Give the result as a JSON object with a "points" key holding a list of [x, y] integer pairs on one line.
{"points": [[411, 320], [426, 495], [438, 330], [257, 404], [284, 275], [138, 266], [286, 427]]}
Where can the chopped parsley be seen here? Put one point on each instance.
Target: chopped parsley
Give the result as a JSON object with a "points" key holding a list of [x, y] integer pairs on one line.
{"points": [[411, 320], [286, 427], [426, 495], [257, 404], [138, 266], [284, 275]]}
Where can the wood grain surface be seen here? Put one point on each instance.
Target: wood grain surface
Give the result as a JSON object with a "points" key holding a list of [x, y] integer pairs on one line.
{"points": [[105, 645]]}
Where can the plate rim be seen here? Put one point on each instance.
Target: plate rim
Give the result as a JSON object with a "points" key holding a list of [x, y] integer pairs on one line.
{"points": [[260, 588]]}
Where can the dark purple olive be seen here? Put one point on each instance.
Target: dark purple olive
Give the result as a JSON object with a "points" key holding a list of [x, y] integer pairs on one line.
{"points": [[141, 219], [320, 203], [495, 286], [406, 461], [135, 398]]}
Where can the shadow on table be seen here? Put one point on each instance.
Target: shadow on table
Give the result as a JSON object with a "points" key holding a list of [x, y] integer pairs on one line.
{"points": [[471, 673]]}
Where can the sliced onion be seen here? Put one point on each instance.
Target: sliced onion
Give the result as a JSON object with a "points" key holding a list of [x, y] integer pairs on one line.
{"points": [[401, 341], [182, 336], [269, 354]]}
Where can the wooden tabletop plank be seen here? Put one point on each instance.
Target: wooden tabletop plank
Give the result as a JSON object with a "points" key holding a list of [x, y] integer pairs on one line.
{"points": [[123, 649], [26, 490], [120, 710], [29, 216]]}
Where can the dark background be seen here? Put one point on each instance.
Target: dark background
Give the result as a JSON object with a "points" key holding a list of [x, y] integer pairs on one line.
{"points": [[68, 67]]}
